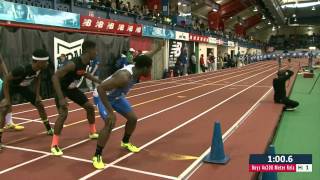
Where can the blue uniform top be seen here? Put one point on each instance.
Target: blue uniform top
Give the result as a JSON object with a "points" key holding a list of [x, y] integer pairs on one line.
{"points": [[121, 92]]}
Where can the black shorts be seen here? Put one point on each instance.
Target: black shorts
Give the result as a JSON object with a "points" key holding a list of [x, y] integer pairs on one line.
{"points": [[75, 95], [25, 92]]}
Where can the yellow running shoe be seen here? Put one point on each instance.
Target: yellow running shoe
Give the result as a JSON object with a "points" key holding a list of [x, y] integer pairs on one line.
{"points": [[130, 147], [14, 126], [56, 151], [94, 136], [97, 162]]}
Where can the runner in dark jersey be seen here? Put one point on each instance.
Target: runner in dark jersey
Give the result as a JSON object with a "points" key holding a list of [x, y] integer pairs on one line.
{"points": [[9, 124], [65, 82], [18, 81]]}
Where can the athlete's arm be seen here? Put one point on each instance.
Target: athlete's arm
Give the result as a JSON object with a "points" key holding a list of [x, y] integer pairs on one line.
{"points": [[58, 75]]}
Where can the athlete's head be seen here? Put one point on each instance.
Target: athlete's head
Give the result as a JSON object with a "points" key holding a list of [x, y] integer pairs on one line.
{"points": [[89, 48], [143, 64], [40, 58]]}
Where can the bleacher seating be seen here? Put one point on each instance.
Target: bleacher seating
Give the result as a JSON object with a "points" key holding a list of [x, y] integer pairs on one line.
{"points": [[294, 41]]}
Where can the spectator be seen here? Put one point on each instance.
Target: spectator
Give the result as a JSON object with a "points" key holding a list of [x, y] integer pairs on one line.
{"points": [[94, 71], [193, 63], [202, 65], [122, 61], [184, 62], [62, 61], [211, 61], [130, 54], [178, 68]]}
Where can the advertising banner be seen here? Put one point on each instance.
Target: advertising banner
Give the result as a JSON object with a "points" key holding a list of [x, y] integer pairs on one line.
{"points": [[158, 32], [34, 15]]}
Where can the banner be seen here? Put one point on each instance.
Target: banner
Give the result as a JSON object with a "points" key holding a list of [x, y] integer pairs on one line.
{"points": [[212, 40], [95, 24], [182, 36], [71, 50], [34, 15], [175, 50], [158, 32], [198, 38]]}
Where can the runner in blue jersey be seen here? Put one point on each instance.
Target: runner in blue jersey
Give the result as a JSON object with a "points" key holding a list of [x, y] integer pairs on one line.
{"points": [[110, 96]]}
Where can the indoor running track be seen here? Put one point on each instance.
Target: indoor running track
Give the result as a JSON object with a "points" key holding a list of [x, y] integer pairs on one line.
{"points": [[176, 118]]}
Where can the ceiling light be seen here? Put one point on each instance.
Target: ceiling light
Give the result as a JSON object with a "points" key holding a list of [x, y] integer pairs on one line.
{"points": [[179, 3], [301, 5], [255, 9], [294, 15], [313, 8], [263, 17], [295, 19], [269, 22], [184, 4]]}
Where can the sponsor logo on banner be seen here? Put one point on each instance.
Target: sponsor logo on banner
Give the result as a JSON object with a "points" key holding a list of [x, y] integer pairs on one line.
{"points": [[122, 28], [212, 40], [175, 50], [182, 36], [71, 50], [158, 32], [198, 38]]}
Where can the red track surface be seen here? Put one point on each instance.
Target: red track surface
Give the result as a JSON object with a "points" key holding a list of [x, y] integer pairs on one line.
{"points": [[176, 116]]}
